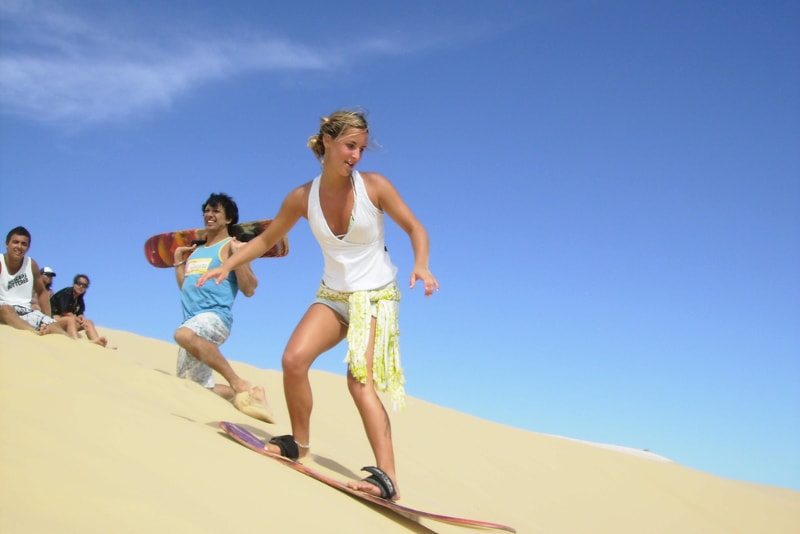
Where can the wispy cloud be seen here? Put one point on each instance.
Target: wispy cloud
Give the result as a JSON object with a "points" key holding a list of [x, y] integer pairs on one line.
{"points": [[58, 67]]}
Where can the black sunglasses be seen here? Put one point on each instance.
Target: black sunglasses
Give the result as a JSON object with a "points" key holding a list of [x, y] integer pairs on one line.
{"points": [[81, 284]]}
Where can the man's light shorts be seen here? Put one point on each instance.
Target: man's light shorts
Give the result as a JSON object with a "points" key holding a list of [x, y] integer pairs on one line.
{"points": [[208, 326], [34, 318]]}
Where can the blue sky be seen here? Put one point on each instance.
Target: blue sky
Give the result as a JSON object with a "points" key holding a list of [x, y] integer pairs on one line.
{"points": [[612, 191]]}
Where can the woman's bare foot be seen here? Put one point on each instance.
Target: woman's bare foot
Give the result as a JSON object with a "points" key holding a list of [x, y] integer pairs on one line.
{"points": [[103, 342], [288, 447], [378, 484]]}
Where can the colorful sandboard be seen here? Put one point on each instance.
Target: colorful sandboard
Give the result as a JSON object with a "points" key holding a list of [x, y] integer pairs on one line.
{"points": [[160, 249], [248, 439]]}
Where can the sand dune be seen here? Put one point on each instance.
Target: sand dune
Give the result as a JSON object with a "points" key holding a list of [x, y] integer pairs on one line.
{"points": [[95, 440]]}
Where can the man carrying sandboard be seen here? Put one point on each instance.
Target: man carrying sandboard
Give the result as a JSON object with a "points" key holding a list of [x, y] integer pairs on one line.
{"points": [[207, 309]]}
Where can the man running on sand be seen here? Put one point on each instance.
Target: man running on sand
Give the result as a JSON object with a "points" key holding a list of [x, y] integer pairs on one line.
{"points": [[207, 310]]}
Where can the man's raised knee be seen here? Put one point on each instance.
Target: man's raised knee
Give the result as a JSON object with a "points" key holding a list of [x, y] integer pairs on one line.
{"points": [[182, 335]]}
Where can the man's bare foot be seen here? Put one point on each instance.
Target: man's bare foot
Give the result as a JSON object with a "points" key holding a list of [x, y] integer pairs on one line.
{"points": [[254, 403], [50, 328]]}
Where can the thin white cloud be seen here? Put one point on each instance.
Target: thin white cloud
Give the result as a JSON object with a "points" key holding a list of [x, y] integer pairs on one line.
{"points": [[96, 89], [56, 67], [60, 67]]}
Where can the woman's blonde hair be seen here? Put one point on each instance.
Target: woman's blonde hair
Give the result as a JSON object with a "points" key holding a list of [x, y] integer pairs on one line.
{"points": [[335, 125]]}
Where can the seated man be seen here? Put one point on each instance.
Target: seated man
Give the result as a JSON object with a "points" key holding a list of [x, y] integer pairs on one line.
{"points": [[47, 277], [68, 303], [19, 279]]}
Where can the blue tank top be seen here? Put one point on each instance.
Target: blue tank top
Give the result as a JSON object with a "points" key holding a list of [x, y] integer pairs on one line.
{"points": [[210, 297]]}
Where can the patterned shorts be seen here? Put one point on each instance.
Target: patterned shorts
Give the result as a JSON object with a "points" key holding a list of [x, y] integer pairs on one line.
{"points": [[35, 318], [208, 326]]}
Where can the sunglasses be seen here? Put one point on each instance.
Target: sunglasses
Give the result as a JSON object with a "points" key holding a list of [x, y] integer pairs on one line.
{"points": [[81, 284]]}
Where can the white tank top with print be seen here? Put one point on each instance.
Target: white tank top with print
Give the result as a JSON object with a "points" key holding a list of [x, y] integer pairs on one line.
{"points": [[16, 289]]}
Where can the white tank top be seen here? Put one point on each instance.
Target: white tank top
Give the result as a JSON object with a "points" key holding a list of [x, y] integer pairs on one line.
{"points": [[359, 260], [16, 290]]}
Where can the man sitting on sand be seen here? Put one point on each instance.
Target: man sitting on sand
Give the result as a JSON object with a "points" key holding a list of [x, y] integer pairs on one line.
{"points": [[207, 311], [19, 279], [69, 307], [47, 278]]}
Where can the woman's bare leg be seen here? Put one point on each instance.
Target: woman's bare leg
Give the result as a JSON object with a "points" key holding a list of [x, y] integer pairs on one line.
{"points": [[319, 330], [375, 419]]}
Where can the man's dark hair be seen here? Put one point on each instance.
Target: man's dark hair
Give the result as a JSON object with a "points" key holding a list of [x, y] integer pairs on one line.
{"points": [[20, 230], [79, 276], [227, 203]]}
